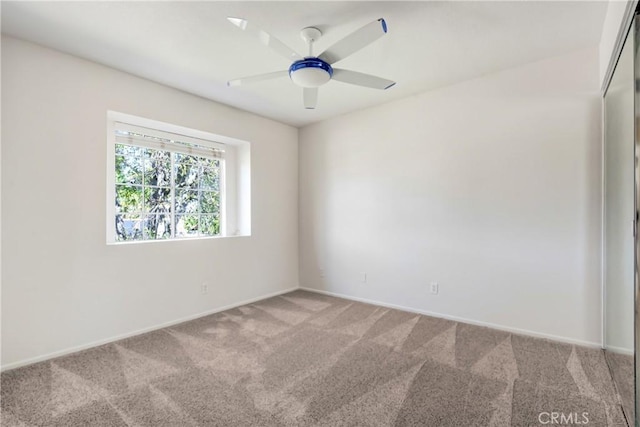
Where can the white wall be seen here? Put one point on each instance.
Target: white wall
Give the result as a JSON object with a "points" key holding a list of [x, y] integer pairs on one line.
{"points": [[490, 187], [614, 26], [62, 286]]}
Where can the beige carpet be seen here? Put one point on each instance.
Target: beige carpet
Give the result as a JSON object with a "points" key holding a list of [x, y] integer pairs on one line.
{"points": [[622, 373], [305, 359]]}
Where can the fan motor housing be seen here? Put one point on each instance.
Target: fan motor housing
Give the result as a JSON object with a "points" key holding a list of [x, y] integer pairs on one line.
{"points": [[310, 72]]}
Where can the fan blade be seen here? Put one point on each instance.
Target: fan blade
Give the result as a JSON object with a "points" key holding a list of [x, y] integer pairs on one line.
{"points": [[258, 78], [310, 96], [355, 41], [361, 79], [266, 39]]}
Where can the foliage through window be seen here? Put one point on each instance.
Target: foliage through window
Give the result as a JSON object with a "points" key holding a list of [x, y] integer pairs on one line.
{"points": [[172, 191]]}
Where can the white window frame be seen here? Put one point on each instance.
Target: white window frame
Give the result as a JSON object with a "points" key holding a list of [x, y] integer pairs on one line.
{"points": [[234, 179]]}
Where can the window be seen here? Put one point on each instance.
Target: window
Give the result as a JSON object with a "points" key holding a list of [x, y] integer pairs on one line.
{"points": [[168, 185]]}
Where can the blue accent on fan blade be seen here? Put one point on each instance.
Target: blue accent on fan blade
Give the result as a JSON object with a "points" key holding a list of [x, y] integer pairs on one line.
{"points": [[384, 24], [391, 85]]}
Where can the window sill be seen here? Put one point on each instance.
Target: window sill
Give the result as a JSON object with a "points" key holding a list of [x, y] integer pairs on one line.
{"points": [[181, 239]]}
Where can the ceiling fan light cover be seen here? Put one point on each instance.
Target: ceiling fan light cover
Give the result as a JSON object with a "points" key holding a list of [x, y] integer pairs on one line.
{"points": [[310, 72]]}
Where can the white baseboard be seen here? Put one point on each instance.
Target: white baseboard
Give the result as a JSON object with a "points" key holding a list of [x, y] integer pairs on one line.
{"points": [[460, 319], [70, 350], [66, 351], [620, 350]]}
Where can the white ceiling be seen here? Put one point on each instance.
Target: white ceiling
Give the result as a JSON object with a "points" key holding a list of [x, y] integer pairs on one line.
{"points": [[191, 46]]}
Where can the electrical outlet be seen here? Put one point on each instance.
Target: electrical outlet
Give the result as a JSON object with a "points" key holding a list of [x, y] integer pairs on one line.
{"points": [[204, 288], [321, 273], [363, 277], [433, 287]]}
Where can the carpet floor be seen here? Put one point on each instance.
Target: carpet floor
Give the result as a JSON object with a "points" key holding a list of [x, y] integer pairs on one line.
{"points": [[622, 372], [304, 359]]}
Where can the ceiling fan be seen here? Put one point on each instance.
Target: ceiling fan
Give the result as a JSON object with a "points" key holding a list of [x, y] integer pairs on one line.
{"points": [[311, 72]]}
